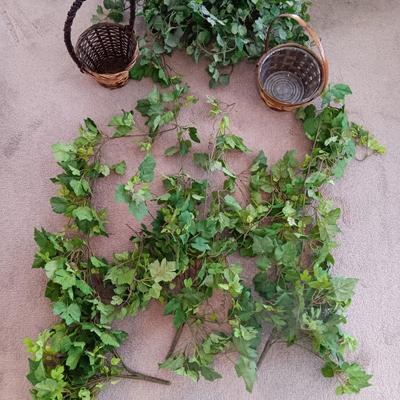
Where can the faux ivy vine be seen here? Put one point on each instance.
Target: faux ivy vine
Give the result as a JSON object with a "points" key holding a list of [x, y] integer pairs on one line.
{"points": [[225, 32], [183, 258]]}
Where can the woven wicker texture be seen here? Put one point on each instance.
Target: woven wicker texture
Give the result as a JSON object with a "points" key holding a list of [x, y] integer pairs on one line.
{"points": [[106, 51], [290, 75]]}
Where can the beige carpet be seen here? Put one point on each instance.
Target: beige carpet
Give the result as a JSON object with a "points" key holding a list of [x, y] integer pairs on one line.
{"points": [[43, 98]]}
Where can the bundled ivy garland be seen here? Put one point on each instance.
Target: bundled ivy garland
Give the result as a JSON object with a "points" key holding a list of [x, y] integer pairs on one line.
{"points": [[226, 32], [183, 258]]}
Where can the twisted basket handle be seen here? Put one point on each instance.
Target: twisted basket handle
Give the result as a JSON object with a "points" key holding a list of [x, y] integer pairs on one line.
{"points": [[311, 33], [70, 19]]}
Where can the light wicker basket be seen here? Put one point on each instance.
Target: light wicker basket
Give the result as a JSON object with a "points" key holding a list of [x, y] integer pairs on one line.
{"points": [[291, 75], [106, 51]]}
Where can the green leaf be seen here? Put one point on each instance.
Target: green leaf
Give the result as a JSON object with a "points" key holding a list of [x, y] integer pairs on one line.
{"points": [[262, 245], [336, 93], [164, 271], [202, 160], [200, 244], [122, 195], [69, 314], [63, 152], [173, 363], [247, 369], [74, 355], [116, 16], [327, 370], [124, 124], [356, 379], [79, 187], [146, 169], [343, 288], [210, 374], [138, 210], [193, 134], [119, 168], [109, 340], [37, 372], [83, 213], [171, 151], [52, 266], [232, 203], [59, 205]]}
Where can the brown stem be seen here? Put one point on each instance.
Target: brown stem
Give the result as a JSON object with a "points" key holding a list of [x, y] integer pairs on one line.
{"points": [[138, 375], [270, 342], [175, 341], [147, 378]]}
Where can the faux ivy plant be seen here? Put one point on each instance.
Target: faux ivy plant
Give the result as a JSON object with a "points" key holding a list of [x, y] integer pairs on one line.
{"points": [[182, 255], [225, 32]]}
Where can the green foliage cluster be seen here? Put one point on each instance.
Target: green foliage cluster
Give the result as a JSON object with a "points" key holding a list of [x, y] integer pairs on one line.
{"points": [[225, 32], [110, 9], [182, 256]]}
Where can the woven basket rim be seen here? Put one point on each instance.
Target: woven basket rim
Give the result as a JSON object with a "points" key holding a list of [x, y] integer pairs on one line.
{"points": [[285, 103], [123, 27]]}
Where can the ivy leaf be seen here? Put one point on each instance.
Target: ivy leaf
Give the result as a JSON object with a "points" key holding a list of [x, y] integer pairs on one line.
{"points": [[64, 278], [63, 152], [83, 213], [138, 209], [59, 205], [119, 168], [336, 93], [200, 244], [122, 195], [356, 379], [193, 134], [173, 363], [202, 160], [52, 266], [210, 374], [74, 355], [171, 151], [37, 372], [328, 370], [262, 245], [69, 314], [109, 340], [164, 271], [146, 169], [232, 203], [247, 369], [123, 123], [343, 288]]}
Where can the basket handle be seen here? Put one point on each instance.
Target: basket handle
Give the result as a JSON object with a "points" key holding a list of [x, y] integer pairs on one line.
{"points": [[70, 19], [311, 33]]}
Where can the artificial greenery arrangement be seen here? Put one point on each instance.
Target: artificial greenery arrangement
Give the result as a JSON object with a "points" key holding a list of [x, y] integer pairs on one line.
{"points": [[186, 255], [225, 32]]}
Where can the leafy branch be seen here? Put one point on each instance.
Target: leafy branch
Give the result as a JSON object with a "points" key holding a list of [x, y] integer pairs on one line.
{"points": [[183, 258]]}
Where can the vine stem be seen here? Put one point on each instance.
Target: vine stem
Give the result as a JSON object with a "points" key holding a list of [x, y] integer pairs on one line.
{"points": [[136, 377], [175, 341], [267, 346], [139, 375]]}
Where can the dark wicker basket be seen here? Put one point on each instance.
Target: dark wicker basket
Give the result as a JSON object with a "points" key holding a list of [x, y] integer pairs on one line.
{"points": [[106, 51], [291, 75]]}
